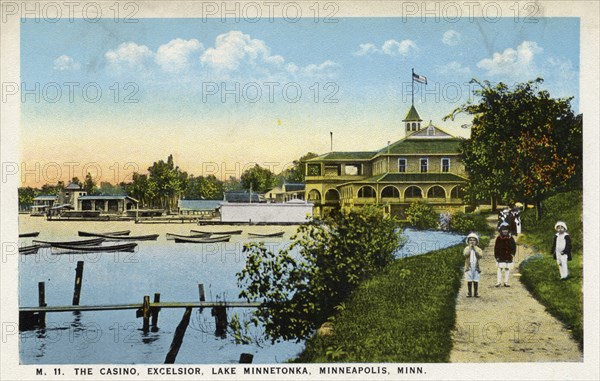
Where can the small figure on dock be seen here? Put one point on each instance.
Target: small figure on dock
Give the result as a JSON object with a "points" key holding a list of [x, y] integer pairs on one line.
{"points": [[561, 249], [505, 249], [472, 254]]}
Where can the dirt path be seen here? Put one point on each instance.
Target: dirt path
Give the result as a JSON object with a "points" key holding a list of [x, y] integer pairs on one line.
{"points": [[507, 324]]}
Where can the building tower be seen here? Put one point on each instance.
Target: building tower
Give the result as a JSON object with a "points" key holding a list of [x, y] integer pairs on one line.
{"points": [[412, 121]]}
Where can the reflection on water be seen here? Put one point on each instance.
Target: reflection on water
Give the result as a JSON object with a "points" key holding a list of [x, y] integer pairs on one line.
{"points": [[172, 269]]}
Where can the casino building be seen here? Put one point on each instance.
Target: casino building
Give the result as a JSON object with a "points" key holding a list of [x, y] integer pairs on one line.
{"points": [[424, 166]]}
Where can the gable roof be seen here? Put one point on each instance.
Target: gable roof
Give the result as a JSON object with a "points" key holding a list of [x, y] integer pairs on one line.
{"points": [[430, 131], [199, 204], [73, 186], [422, 146], [294, 187]]}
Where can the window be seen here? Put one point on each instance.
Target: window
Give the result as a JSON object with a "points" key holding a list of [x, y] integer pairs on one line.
{"points": [[366, 192], [445, 165], [414, 126], [401, 165], [390, 192], [424, 165], [332, 170], [352, 169]]}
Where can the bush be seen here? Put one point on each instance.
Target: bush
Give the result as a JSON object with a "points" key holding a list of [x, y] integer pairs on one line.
{"points": [[422, 216], [465, 223], [302, 285]]}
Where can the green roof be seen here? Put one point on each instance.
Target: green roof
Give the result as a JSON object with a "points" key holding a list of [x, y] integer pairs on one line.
{"points": [[414, 178], [345, 156], [423, 146], [412, 115]]}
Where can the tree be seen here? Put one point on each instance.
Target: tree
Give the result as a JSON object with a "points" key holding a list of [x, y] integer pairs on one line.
{"points": [[296, 173], [524, 144], [169, 180], [302, 285], [26, 196], [205, 188], [258, 179], [89, 185]]}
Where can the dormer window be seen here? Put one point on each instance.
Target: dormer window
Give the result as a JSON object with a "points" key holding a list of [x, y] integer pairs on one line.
{"points": [[430, 131]]}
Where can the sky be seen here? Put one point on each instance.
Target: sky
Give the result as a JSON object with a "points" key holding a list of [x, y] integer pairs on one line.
{"points": [[220, 96]]}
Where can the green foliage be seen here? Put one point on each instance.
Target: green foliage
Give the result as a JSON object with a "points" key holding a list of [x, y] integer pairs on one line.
{"points": [[465, 223], [523, 144], [295, 174], [204, 188], [422, 216], [26, 196], [301, 285], [540, 274], [258, 179], [404, 314], [89, 185]]}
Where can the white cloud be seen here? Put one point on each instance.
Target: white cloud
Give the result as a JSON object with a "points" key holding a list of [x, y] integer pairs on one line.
{"points": [[64, 63], [327, 68], [451, 37], [130, 55], [234, 48], [453, 67], [390, 47], [174, 56], [365, 49], [513, 63]]}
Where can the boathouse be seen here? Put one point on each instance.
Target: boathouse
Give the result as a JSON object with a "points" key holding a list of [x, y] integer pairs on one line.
{"points": [[106, 204], [42, 204], [286, 192]]}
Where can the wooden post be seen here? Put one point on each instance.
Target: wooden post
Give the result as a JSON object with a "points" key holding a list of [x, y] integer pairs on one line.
{"points": [[146, 314], [155, 311], [78, 280], [178, 337], [220, 314], [42, 303], [201, 295], [246, 358]]}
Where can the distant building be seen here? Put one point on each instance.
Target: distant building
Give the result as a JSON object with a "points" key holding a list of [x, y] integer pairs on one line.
{"points": [[106, 204], [286, 192], [242, 197], [42, 204], [206, 209], [291, 212], [423, 166]]}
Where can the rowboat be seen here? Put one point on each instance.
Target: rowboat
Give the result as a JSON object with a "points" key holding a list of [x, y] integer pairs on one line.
{"points": [[148, 237], [32, 234], [172, 236], [67, 249], [81, 242], [224, 232], [277, 234], [90, 234], [224, 238], [32, 249]]}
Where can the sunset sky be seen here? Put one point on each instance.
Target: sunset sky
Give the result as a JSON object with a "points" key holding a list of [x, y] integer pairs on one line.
{"points": [[124, 95]]}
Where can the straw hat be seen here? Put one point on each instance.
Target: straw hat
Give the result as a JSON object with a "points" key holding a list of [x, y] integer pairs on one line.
{"points": [[472, 235], [560, 223]]}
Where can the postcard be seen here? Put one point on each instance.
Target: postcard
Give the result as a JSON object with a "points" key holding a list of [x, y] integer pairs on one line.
{"points": [[228, 190]]}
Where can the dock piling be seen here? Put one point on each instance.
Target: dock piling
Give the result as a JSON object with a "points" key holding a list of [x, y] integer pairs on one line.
{"points": [[155, 311], [146, 314], [246, 358], [220, 314], [42, 303], [178, 337], [78, 280]]}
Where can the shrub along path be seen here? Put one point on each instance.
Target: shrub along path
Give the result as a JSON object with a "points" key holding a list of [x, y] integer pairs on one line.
{"points": [[507, 324]]}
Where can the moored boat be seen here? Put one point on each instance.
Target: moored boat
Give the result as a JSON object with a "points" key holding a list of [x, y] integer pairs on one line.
{"points": [[69, 249], [32, 249], [147, 237], [81, 242], [172, 236], [223, 232], [92, 234], [32, 234], [276, 234], [224, 238]]}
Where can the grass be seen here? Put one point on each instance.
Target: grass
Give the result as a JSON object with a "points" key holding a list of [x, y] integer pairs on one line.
{"points": [[405, 314], [563, 299]]}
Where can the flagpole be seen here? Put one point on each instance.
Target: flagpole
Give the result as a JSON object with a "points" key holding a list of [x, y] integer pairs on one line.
{"points": [[412, 81]]}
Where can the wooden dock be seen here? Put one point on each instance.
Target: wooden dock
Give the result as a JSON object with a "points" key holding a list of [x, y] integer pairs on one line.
{"points": [[135, 306]]}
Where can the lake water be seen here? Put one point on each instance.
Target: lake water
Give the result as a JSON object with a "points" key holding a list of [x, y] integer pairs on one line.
{"points": [[172, 269]]}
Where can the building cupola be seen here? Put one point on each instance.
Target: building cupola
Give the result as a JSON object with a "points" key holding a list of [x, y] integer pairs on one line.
{"points": [[412, 121]]}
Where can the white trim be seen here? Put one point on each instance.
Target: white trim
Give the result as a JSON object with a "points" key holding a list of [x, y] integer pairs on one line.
{"points": [[405, 164]]}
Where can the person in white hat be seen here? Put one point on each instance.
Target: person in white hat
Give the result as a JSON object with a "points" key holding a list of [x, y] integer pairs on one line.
{"points": [[472, 254], [561, 249], [505, 249]]}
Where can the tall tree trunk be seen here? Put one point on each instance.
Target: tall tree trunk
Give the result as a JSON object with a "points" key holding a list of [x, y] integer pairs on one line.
{"points": [[538, 209], [494, 203]]}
